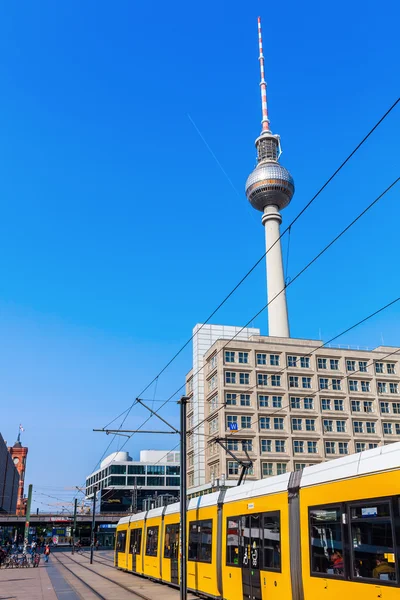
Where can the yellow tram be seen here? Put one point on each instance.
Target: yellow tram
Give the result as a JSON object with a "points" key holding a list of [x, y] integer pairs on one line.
{"points": [[330, 531]]}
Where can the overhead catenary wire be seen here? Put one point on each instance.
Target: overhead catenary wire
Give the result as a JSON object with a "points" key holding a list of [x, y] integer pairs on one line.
{"points": [[301, 272], [241, 281]]}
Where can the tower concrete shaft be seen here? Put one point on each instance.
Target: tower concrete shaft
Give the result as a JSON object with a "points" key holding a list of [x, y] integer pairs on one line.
{"points": [[278, 322]]}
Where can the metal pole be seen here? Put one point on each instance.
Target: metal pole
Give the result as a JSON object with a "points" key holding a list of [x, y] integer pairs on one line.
{"points": [[74, 525], [183, 492], [93, 524], [28, 512]]}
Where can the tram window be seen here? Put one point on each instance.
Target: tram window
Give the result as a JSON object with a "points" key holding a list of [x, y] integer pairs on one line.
{"points": [[200, 541], [136, 541], [326, 541], [121, 541], [372, 541], [272, 541], [171, 540], [232, 540], [152, 541]]}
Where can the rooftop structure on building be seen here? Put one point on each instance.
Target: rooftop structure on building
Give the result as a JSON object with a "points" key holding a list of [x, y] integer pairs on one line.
{"points": [[125, 485]]}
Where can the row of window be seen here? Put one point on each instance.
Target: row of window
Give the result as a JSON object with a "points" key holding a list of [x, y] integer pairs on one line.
{"points": [[264, 379], [262, 358], [300, 424], [118, 469], [268, 446], [140, 480]]}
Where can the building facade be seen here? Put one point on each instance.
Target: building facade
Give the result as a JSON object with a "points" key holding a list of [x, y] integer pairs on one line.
{"points": [[19, 454], [125, 485], [291, 403], [9, 481]]}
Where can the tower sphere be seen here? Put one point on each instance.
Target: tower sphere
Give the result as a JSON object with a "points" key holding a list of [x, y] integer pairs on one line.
{"points": [[269, 184]]}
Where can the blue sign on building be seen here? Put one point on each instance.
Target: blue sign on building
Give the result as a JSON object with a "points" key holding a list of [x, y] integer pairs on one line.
{"points": [[233, 426]]}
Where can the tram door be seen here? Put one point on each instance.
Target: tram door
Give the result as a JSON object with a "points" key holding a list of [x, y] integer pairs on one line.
{"points": [[136, 541], [172, 550], [251, 557]]}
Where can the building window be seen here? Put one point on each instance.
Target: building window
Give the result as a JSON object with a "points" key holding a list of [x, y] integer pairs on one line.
{"points": [[387, 429], [310, 424], [328, 425], [394, 388], [299, 466], [277, 401], [263, 401], [213, 426], [312, 447], [280, 446], [365, 386], [308, 403], [262, 379], [297, 424], [378, 367], [229, 357], [191, 479], [360, 446], [266, 446], [353, 385], [306, 382], [362, 366], [358, 427], [265, 423], [213, 403], [336, 384], [341, 426], [391, 368], [351, 365], [325, 404], [330, 447], [212, 383], [200, 541], [384, 407], [293, 381], [338, 405], [230, 377], [323, 383], [152, 541], [245, 422], [355, 406], [372, 445], [232, 445], [247, 445], [295, 402], [267, 469], [213, 362], [244, 358], [292, 361], [280, 468], [244, 378], [278, 423], [230, 419], [322, 363], [244, 399], [397, 425], [343, 448], [298, 447], [396, 408], [261, 359], [368, 406], [230, 399], [381, 387], [304, 362], [334, 363], [275, 380], [370, 426], [233, 467], [274, 360]]}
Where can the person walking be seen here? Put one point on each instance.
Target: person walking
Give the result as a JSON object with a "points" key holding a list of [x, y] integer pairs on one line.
{"points": [[46, 553]]}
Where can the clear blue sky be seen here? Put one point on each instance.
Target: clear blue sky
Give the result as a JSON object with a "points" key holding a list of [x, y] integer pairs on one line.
{"points": [[119, 231]]}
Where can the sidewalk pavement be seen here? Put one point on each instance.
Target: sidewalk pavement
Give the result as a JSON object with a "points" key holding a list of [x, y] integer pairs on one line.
{"points": [[24, 584]]}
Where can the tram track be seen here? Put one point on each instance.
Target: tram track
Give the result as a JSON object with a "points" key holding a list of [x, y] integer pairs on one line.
{"points": [[100, 575]]}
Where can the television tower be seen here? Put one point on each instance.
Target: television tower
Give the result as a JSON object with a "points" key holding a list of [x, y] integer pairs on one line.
{"points": [[269, 188]]}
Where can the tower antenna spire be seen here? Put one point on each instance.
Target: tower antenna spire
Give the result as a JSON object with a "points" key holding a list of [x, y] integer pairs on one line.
{"points": [[263, 83]]}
